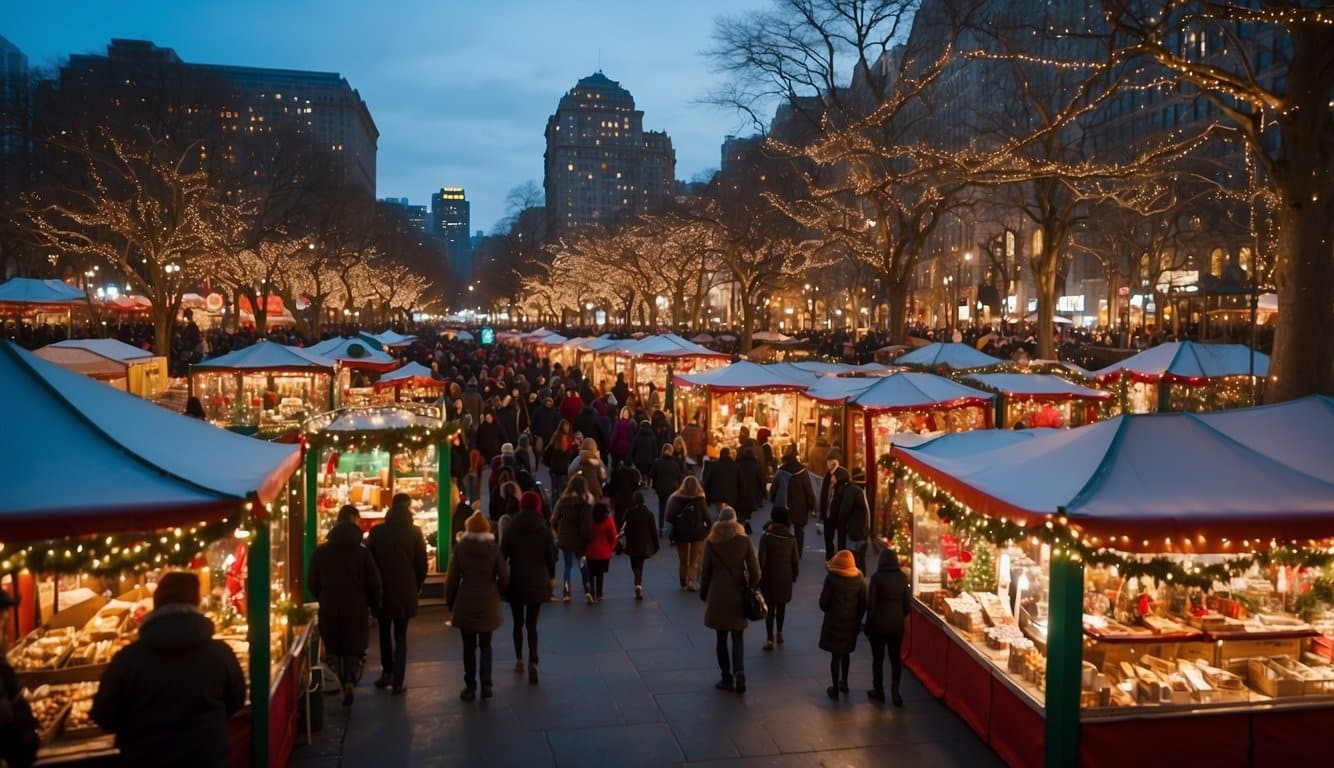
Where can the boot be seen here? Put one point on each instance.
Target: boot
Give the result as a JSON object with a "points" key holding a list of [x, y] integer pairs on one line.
{"points": [[468, 694], [532, 673], [639, 592], [588, 594], [518, 666], [740, 682], [486, 692], [895, 697], [347, 694], [769, 643], [725, 684], [780, 637], [567, 592], [876, 694]]}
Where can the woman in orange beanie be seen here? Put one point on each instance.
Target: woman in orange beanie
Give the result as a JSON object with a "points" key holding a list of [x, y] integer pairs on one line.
{"points": [[843, 600]]}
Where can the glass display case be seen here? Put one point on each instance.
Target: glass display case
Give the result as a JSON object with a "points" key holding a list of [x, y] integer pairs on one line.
{"points": [[263, 401], [774, 411], [822, 429]]}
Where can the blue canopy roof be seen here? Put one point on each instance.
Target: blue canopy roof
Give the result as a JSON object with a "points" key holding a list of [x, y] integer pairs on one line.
{"points": [[1189, 360], [957, 356], [1136, 480], [267, 356], [355, 352], [901, 390], [27, 290], [1038, 385], [83, 458]]}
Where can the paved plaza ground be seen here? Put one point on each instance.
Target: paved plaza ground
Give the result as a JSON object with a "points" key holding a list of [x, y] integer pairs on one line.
{"points": [[627, 683]]}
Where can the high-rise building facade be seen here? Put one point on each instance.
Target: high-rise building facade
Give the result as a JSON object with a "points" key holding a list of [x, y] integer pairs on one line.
{"points": [[414, 214], [229, 103], [451, 221], [600, 162], [14, 97]]}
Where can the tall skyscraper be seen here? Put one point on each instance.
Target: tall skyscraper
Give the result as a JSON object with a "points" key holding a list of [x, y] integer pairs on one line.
{"points": [[451, 221], [230, 101], [15, 118], [415, 214], [600, 162]]}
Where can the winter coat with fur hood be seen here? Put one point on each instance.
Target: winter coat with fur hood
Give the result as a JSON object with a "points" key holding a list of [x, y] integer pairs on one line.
{"points": [[729, 565]]}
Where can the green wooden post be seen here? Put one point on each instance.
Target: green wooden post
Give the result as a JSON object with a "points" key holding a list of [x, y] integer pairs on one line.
{"points": [[257, 616], [443, 510], [1000, 412], [1164, 396], [312, 530], [1065, 640]]}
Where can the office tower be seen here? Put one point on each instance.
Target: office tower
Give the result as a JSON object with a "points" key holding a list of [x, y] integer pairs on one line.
{"points": [[451, 221]]}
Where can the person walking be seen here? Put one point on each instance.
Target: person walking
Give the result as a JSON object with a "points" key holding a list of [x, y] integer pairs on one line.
{"points": [[792, 489], [168, 695], [665, 476], [729, 567], [399, 550], [601, 547], [573, 521], [560, 451], [843, 600], [750, 486], [826, 501], [622, 437], [722, 480], [473, 584], [344, 579], [18, 727], [688, 520], [779, 566], [855, 517], [625, 481], [886, 610], [835, 530], [589, 465], [644, 448], [530, 551], [641, 539]]}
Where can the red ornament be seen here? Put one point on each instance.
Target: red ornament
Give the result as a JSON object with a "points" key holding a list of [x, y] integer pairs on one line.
{"points": [[965, 557]]}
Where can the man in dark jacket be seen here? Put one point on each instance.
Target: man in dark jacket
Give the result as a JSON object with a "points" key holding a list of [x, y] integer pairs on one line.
{"points": [[722, 480], [167, 695], [18, 728], [586, 423], [750, 486], [792, 490], [472, 401], [829, 513], [399, 550], [544, 421], [665, 475], [854, 517], [644, 448], [886, 608], [621, 487], [344, 578], [529, 548]]}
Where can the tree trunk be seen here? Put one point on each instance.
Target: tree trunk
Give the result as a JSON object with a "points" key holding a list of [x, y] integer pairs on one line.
{"points": [[747, 320], [897, 305], [1044, 280]]}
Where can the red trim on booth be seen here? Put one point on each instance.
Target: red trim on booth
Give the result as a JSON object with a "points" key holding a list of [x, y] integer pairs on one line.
{"points": [[238, 740], [1285, 739], [929, 647], [283, 715], [968, 689], [1018, 732], [1218, 742]]}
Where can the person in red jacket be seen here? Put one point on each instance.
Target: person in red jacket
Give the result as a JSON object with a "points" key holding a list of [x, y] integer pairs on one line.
{"points": [[601, 546], [571, 405]]}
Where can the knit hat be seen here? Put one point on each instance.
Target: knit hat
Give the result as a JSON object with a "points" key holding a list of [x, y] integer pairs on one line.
{"points": [[843, 564], [177, 588], [507, 448], [477, 523], [530, 501], [726, 513]]}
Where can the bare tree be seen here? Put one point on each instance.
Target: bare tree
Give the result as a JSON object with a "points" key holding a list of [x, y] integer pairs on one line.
{"points": [[1267, 70]]}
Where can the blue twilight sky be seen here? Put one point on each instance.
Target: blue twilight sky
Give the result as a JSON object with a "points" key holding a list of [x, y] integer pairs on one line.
{"points": [[460, 89]]}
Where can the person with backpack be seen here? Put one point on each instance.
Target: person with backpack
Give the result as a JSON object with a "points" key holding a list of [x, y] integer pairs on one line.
{"points": [[779, 566], [792, 490], [688, 520], [855, 516], [641, 539], [573, 521]]}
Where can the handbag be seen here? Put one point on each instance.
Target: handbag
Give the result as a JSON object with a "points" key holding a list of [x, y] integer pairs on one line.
{"points": [[753, 604]]}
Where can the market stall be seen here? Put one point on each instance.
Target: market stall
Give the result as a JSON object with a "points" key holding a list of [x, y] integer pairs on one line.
{"points": [[266, 388], [652, 358], [365, 455], [389, 341], [107, 492], [588, 354], [125, 367], [413, 381], [1186, 376], [904, 402], [359, 363], [1042, 400], [1158, 594], [951, 356], [743, 394], [45, 301]]}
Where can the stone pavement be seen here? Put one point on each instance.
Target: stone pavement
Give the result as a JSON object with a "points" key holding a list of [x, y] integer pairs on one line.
{"points": [[630, 683]]}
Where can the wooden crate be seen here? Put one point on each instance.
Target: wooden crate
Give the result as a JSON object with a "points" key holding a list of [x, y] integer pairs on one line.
{"points": [[1265, 679]]}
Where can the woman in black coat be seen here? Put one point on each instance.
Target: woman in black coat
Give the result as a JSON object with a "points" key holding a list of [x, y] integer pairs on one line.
{"points": [[399, 550], [843, 600], [476, 579], [530, 550], [489, 436], [346, 582], [886, 608], [644, 448], [779, 566], [722, 480], [641, 539]]}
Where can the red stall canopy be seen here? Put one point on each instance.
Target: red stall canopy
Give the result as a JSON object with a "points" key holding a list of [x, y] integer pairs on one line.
{"points": [[84, 458]]}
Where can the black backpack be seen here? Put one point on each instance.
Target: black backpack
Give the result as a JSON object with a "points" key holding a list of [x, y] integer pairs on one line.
{"points": [[691, 523]]}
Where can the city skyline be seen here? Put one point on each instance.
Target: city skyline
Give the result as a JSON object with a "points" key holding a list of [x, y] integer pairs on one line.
{"points": [[455, 109]]}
